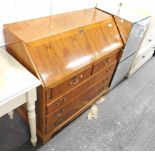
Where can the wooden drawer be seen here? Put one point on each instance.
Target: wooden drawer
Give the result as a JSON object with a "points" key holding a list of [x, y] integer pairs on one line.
{"points": [[58, 117], [69, 84], [61, 101], [107, 60], [60, 110]]}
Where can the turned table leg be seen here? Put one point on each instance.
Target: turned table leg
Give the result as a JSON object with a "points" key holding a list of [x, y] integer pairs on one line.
{"points": [[11, 114], [32, 115]]}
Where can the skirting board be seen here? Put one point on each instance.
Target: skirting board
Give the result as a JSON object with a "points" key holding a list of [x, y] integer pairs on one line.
{"points": [[139, 65]]}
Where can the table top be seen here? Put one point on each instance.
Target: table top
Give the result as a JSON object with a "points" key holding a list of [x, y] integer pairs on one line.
{"points": [[14, 78]]}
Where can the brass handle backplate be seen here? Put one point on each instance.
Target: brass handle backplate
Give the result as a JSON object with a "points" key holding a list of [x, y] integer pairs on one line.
{"points": [[59, 114], [60, 101], [107, 61], [59, 121], [74, 81]]}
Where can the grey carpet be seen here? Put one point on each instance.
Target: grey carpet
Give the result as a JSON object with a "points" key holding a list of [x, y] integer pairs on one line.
{"points": [[126, 121]]}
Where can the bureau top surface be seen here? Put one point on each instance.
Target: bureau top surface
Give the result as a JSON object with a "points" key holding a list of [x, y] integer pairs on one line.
{"points": [[14, 78], [36, 29]]}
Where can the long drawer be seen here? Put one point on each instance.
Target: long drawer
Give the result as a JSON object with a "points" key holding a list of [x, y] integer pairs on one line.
{"points": [[54, 120], [105, 75], [69, 84], [105, 61]]}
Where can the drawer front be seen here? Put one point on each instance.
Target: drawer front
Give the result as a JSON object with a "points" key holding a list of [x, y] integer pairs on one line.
{"points": [[107, 60], [103, 75], [57, 118], [69, 84]]}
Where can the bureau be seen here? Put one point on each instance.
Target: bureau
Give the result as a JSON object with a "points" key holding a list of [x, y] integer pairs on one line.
{"points": [[74, 55], [132, 24]]}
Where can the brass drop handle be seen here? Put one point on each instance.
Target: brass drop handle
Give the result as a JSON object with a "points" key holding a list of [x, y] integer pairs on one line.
{"points": [[58, 121], [106, 78], [107, 61], [108, 70], [60, 101], [81, 31], [103, 87], [74, 81], [60, 113]]}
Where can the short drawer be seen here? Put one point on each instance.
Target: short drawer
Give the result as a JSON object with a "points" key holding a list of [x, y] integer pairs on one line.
{"points": [[107, 60], [69, 84], [61, 101], [58, 117]]}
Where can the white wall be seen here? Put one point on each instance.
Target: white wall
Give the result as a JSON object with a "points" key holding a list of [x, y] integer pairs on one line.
{"points": [[145, 5], [18, 10]]}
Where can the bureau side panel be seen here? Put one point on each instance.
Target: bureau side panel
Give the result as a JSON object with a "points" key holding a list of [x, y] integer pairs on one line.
{"points": [[18, 49]]}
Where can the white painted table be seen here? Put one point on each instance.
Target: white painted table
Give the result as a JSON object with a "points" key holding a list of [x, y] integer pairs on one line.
{"points": [[17, 86]]}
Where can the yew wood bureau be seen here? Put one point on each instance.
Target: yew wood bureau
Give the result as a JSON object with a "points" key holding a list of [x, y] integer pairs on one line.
{"points": [[74, 55]]}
